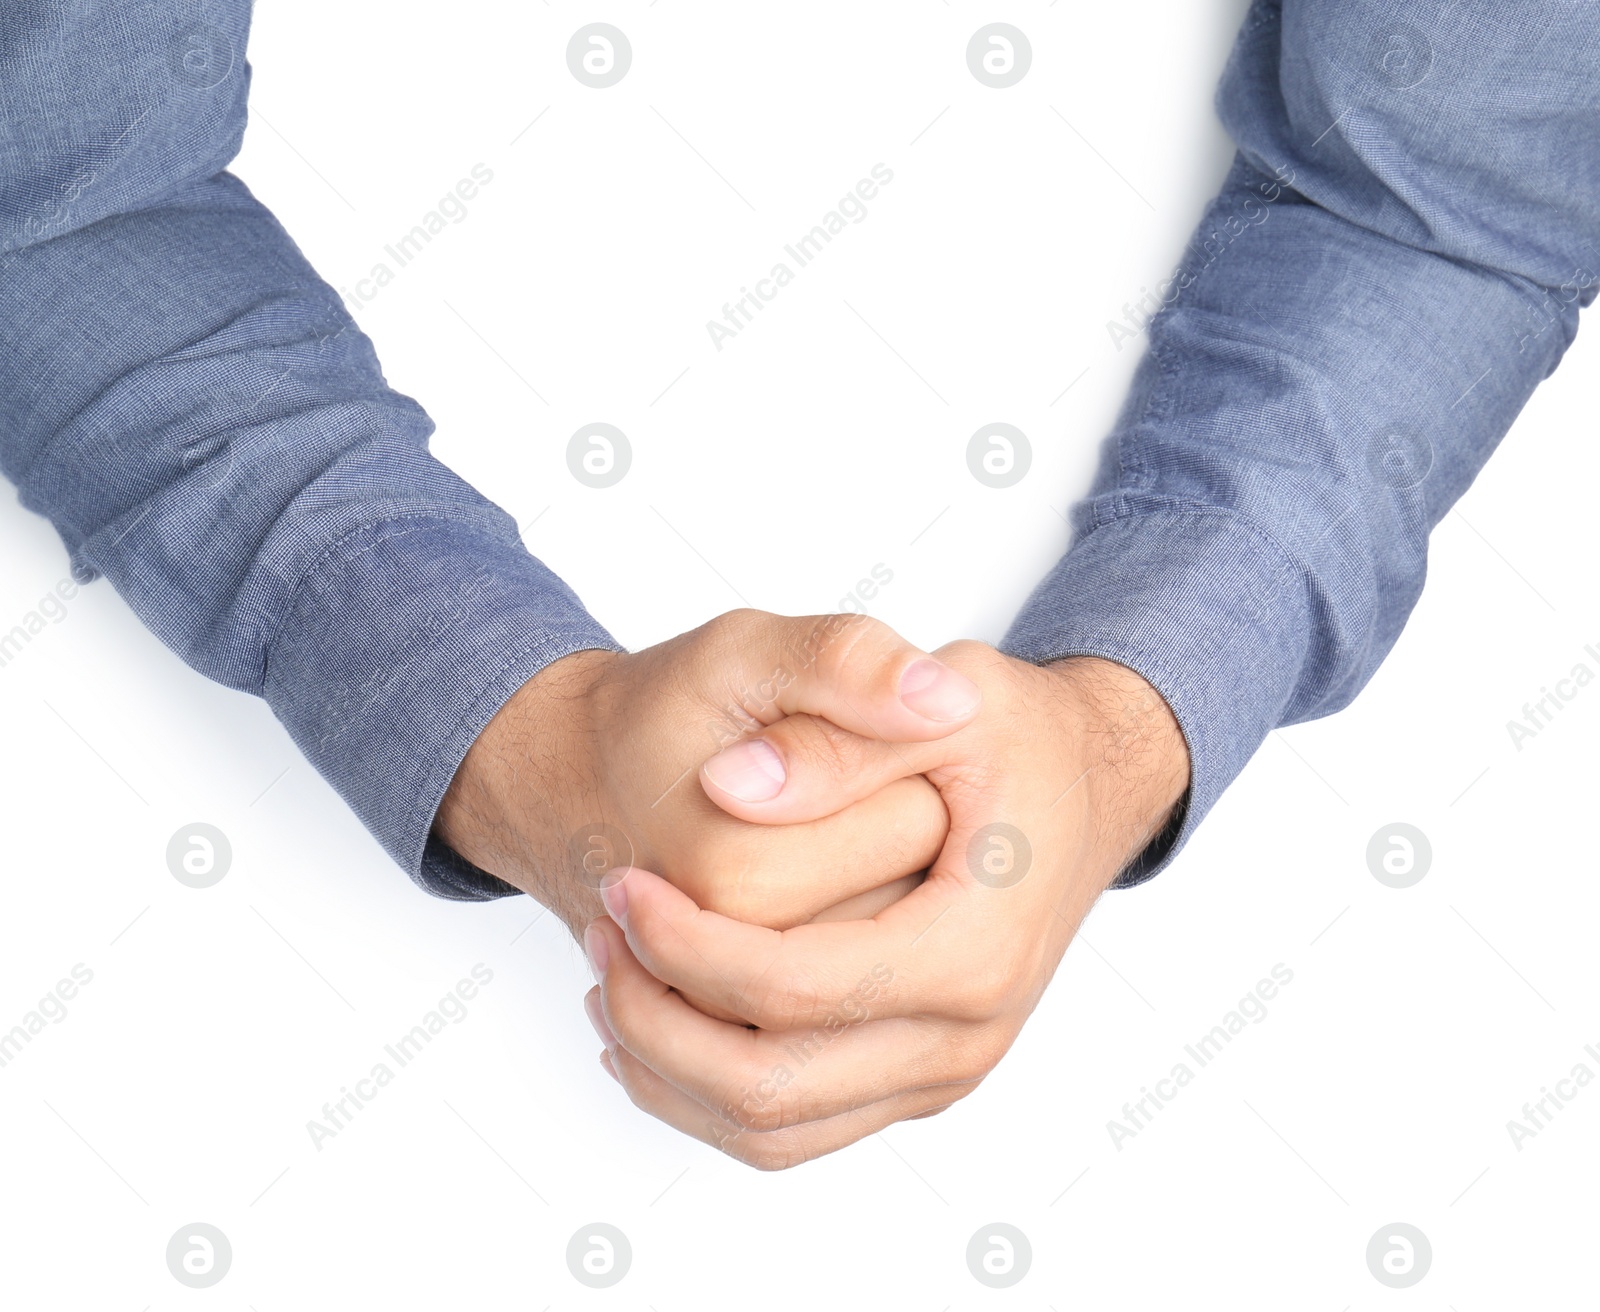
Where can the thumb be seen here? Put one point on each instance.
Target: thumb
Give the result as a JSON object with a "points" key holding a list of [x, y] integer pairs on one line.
{"points": [[804, 768], [853, 671]]}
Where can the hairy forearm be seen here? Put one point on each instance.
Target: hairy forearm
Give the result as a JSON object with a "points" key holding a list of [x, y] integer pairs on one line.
{"points": [[520, 796], [1139, 761]]}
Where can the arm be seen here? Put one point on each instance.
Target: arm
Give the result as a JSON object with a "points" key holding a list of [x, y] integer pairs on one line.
{"points": [[1395, 263], [197, 414], [1392, 267], [204, 424]]}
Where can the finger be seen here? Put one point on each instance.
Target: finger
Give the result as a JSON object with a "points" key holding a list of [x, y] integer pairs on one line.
{"points": [[851, 669], [805, 767], [936, 952], [778, 876], [779, 1149], [863, 906], [769, 1081]]}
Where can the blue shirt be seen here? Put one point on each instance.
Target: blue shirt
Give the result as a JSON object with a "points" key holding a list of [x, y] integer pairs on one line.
{"points": [[1396, 260]]}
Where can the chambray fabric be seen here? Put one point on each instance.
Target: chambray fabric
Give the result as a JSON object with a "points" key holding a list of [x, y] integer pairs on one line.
{"points": [[1391, 268], [207, 428], [1396, 261]]}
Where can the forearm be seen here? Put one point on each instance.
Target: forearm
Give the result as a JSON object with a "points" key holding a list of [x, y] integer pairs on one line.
{"points": [[521, 795], [1137, 768], [1335, 358], [198, 415]]}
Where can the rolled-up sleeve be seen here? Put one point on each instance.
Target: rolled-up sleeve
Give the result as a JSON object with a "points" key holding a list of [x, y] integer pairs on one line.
{"points": [[198, 415], [1395, 262]]}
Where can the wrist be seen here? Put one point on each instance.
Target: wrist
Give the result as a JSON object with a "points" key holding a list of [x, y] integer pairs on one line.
{"points": [[1134, 747], [509, 810]]}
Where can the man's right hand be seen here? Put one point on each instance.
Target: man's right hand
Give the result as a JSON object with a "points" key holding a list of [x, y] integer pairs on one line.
{"points": [[592, 764]]}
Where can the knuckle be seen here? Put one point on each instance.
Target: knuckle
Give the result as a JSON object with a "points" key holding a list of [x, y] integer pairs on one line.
{"points": [[785, 1159], [635, 1095], [728, 1139], [968, 653], [926, 819], [769, 1007], [986, 994], [760, 1118], [778, 1154], [979, 662], [834, 752], [621, 1014], [753, 1156], [740, 1145], [751, 1098], [622, 1063], [732, 628], [976, 1062], [652, 940], [867, 629], [781, 1001], [854, 639], [950, 1096], [740, 620], [947, 1098]]}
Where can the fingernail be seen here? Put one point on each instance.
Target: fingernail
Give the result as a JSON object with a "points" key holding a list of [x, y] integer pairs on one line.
{"points": [[591, 1008], [598, 952], [614, 893], [936, 692], [608, 1067], [751, 771]]}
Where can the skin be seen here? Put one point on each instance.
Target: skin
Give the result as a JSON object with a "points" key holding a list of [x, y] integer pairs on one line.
{"points": [[773, 903], [840, 1029], [591, 766]]}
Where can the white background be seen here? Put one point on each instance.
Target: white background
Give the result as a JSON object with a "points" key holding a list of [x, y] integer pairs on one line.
{"points": [[218, 1022]]}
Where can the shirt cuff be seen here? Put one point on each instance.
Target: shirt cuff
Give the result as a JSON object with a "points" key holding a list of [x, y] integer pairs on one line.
{"points": [[1208, 609], [398, 647]]}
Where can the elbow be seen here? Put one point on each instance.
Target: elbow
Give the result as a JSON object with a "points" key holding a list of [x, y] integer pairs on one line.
{"points": [[106, 118]]}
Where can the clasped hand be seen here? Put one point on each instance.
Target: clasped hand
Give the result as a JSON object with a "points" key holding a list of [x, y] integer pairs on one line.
{"points": [[835, 873]]}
